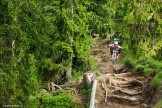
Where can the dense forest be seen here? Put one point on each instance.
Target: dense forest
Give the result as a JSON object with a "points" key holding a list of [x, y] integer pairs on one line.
{"points": [[50, 40]]}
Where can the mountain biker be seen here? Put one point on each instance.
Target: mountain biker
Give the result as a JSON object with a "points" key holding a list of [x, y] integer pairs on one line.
{"points": [[116, 47]]}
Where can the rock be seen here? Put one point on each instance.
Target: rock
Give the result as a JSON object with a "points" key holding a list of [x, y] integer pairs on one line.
{"points": [[43, 91]]}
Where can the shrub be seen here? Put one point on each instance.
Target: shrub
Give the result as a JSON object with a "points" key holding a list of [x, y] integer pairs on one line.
{"points": [[58, 101]]}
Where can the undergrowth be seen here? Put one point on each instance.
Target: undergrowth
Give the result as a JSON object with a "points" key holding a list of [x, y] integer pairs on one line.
{"points": [[158, 105], [78, 73], [59, 99], [149, 66], [86, 92]]}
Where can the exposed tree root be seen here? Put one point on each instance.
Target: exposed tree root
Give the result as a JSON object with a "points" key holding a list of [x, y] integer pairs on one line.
{"points": [[117, 80], [136, 83], [133, 100], [127, 91], [106, 90]]}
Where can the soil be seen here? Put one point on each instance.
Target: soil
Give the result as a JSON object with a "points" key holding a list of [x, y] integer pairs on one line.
{"points": [[118, 85]]}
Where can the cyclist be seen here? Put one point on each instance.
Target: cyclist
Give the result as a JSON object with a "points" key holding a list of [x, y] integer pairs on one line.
{"points": [[116, 47]]}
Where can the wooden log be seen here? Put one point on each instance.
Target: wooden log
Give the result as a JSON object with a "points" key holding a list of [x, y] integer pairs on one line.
{"points": [[92, 101]]}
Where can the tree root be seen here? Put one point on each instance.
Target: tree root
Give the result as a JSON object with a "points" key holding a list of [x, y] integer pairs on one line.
{"points": [[106, 90], [127, 91], [116, 80], [133, 100]]}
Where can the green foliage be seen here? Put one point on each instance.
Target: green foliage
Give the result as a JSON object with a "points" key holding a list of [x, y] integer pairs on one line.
{"points": [[158, 105], [129, 60], [140, 67], [149, 66], [138, 25], [40, 41], [77, 76], [32, 102], [89, 65], [57, 101], [98, 73], [86, 92], [157, 79]]}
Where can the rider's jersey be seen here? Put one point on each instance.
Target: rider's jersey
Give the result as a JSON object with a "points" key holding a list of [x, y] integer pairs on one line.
{"points": [[114, 46]]}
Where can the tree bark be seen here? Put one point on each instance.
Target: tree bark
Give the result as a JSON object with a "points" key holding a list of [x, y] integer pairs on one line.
{"points": [[88, 79], [68, 72]]}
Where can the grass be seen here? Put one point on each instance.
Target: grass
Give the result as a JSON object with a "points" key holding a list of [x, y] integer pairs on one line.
{"points": [[149, 66], [158, 105]]}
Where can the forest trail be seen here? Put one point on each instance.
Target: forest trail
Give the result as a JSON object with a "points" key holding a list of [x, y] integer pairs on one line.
{"points": [[118, 86]]}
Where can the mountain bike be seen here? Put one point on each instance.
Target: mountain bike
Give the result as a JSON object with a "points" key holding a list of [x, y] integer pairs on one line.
{"points": [[114, 56]]}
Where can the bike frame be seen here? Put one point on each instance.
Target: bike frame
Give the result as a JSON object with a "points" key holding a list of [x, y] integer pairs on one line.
{"points": [[114, 56]]}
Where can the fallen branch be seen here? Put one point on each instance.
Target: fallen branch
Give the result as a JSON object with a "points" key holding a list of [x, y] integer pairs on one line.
{"points": [[51, 86], [71, 85], [57, 86]]}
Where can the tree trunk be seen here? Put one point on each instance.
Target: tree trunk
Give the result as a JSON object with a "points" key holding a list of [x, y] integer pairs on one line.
{"points": [[68, 72], [88, 79]]}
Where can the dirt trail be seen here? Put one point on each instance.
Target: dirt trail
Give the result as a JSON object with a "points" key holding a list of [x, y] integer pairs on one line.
{"points": [[117, 87]]}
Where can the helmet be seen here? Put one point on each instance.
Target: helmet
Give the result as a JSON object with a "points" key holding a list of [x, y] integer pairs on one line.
{"points": [[116, 42]]}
